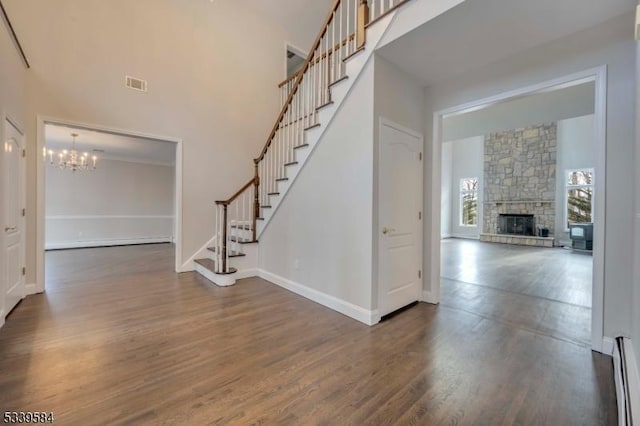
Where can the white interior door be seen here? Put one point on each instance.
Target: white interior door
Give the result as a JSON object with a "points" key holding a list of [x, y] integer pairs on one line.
{"points": [[13, 202], [400, 217]]}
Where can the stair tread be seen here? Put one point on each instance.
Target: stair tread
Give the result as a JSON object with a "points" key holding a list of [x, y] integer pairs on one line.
{"points": [[273, 193], [293, 163], [282, 179], [313, 126], [211, 266], [231, 252], [304, 145], [266, 207]]}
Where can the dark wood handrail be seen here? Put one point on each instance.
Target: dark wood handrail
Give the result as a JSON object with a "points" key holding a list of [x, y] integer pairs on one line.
{"points": [[296, 85], [237, 194], [293, 77]]}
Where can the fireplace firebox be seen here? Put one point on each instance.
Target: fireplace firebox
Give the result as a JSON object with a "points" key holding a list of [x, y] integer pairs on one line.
{"points": [[516, 224]]}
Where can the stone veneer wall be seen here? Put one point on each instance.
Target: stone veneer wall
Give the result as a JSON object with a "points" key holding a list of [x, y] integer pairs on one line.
{"points": [[520, 175]]}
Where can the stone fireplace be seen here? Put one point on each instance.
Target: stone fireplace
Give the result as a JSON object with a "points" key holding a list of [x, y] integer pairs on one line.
{"points": [[520, 181]]}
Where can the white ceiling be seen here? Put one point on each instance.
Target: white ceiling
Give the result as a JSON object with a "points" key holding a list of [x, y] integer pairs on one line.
{"points": [[301, 19], [545, 107], [115, 147], [479, 32]]}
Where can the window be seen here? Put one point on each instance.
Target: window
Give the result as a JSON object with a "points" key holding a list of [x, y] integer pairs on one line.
{"points": [[579, 196], [469, 202]]}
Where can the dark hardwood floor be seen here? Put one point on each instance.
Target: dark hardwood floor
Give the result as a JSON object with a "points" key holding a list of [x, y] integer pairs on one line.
{"points": [[547, 291], [119, 339]]}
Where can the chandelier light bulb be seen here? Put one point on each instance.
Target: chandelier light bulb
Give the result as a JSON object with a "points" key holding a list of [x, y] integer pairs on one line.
{"points": [[71, 159]]}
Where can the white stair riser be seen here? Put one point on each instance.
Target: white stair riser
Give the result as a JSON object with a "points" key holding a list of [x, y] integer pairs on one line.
{"points": [[217, 279]]}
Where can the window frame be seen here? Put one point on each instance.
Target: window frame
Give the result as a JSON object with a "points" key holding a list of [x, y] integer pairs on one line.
{"points": [[567, 187], [461, 193]]}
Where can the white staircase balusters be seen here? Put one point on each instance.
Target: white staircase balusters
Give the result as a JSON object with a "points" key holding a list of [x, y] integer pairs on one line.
{"points": [[301, 95]]}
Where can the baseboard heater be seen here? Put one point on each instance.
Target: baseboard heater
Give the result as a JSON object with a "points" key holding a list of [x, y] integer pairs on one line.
{"points": [[624, 372]]}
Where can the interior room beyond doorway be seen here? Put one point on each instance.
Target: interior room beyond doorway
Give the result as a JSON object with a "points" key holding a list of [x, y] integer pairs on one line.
{"points": [[517, 178]]}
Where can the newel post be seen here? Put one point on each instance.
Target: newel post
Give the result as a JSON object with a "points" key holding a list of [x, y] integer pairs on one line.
{"points": [[256, 198], [363, 20], [224, 238]]}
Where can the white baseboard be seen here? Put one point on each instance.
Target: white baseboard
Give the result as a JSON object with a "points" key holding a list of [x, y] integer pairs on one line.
{"points": [[105, 243], [465, 237], [31, 289], [445, 236], [356, 312], [186, 268], [247, 273], [428, 297]]}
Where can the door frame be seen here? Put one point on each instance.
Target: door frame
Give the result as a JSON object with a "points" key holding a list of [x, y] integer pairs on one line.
{"points": [[39, 286], [6, 117], [598, 75], [378, 240], [295, 49]]}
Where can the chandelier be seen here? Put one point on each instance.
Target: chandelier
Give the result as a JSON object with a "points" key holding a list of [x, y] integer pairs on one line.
{"points": [[71, 159]]}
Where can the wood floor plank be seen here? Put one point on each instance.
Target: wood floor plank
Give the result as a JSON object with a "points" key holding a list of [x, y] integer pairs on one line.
{"points": [[120, 339]]}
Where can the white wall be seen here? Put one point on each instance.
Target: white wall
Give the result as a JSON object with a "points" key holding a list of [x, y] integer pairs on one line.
{"points": [[447, 193], [608, 44], [210, 84], [119, 203], [398, 97], [576, 150], [467, 162], [12, 103], [321, 236], [530, 110]]}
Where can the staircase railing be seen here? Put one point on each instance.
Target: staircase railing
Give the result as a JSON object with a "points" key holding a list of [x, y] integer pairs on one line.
{"points": [[303, 95]]}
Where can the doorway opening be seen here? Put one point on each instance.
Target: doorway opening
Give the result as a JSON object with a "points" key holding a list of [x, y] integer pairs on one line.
{"points": [[294, 60], [119, 210], [516, 173]]}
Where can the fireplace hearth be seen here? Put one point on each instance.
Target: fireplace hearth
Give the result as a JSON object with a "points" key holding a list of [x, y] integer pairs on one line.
{"points": [[516, 224]]}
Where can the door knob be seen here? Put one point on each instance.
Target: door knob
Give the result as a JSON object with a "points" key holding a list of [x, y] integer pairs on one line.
{"points": [[386, 230], [9, 228]]}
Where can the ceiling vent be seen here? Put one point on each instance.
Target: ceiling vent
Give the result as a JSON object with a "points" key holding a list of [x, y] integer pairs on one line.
{"points": [[136, 84]]}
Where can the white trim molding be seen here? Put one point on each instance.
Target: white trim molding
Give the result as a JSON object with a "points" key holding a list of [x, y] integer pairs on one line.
{"points": [[106, 243], [597, 75], [349, 309], [427, 297], [627, 381], [80, 231], [608, 345], [31, 289]]}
